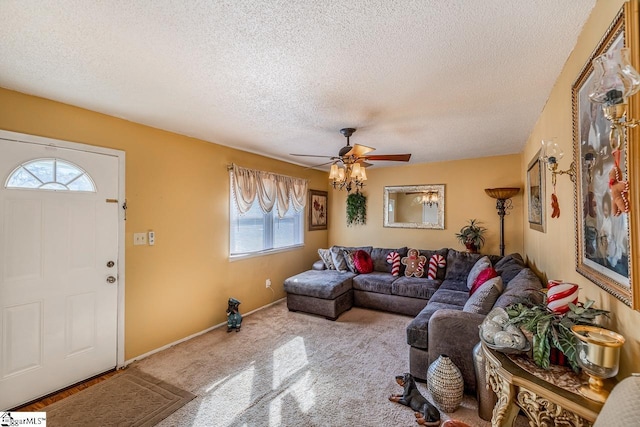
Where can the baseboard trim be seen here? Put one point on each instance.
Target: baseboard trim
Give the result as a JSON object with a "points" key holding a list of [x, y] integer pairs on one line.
{"points": [[164, 347]]}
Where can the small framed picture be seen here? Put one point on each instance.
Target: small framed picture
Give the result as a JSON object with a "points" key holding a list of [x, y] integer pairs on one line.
{"points": [[317, 210], [536, 193]]}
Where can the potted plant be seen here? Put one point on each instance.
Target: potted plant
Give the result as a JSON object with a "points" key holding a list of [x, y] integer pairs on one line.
{"points": [[472, 236], [550, 330], [356, 208]]}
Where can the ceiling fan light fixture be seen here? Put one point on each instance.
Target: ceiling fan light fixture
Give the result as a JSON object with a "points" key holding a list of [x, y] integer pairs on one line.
{"points": [[348, 169], [333, 174], [363, 173], [356, 171]]}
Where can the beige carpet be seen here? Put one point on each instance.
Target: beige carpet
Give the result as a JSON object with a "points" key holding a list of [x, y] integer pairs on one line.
{"points": [[293, 369], [131, 398]]}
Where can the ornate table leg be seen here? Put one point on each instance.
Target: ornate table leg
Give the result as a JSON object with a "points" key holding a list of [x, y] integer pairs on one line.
{"points": [[505, 411]]}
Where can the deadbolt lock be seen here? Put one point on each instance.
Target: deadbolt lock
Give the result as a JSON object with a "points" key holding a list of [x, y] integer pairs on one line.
{"points": [[111, 279], [110, 264]]}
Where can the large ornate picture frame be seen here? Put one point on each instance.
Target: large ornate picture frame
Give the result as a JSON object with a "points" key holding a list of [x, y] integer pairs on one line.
{"points": [[535, 193], [318, 206], [603, 241]]}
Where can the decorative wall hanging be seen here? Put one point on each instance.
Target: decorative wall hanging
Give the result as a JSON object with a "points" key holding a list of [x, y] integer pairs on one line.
{"points": [[603, 233], [318, 210], [536, 198]]}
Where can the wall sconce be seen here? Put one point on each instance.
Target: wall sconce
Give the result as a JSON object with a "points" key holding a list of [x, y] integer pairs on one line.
{"points": [[551, 154], [348, 177], [615, 80]]}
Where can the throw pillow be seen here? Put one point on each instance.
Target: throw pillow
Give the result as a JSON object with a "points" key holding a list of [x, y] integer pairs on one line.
{"points": [[415, 263], [484, 298], [482, 264], [349, 258], [338, 259], [459, 264], [486, 274], [363, 262], [429, 254], [525, 288], [436, 261], [379, 257], [393, 258], [509, 267], [325, 256]]}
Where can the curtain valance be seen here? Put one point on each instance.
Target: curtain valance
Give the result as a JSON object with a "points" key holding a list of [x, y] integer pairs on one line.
{"points": [[269, 188]]}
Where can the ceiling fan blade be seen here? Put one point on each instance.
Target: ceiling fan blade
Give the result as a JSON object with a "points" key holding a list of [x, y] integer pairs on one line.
{"points": [[321, 164], [363, 163], [389, 157], [360, 150], [311, 155]]}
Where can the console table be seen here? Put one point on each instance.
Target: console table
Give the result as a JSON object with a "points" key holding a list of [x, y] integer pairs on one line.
{"points": [[542, 402]]}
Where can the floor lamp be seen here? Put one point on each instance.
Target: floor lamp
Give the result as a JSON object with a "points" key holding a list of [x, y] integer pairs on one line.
{"points": [[503, 204]]}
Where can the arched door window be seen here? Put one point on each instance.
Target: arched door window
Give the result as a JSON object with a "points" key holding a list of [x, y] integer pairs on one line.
{"points": [[50, 174]]}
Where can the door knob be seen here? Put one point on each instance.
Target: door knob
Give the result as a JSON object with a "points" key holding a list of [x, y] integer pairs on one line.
{"points": [[111, 279], [110, 264]]}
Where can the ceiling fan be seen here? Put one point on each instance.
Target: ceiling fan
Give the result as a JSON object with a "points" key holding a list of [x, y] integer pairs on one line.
{"points": [[348, 167], [357, 153]]}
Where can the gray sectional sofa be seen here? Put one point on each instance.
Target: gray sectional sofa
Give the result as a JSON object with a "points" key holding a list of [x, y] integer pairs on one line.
{"points": [[445, 319]]}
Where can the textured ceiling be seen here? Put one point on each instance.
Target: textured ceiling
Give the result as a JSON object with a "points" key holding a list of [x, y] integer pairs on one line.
{"points": [[439, 79]]}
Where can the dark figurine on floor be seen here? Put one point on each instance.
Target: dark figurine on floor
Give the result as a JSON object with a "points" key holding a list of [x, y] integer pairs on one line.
{"points": [[426, 413], [234, 319]]}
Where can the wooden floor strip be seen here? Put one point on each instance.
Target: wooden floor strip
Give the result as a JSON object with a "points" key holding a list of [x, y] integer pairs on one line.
{"points": [[37, 405]]}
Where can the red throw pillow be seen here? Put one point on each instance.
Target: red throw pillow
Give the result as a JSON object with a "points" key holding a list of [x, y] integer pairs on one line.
{"points": [[363, 262], [486, 274]]}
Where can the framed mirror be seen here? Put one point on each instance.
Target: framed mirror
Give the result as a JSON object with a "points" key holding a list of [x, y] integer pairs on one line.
{"points": [[414, 206]]}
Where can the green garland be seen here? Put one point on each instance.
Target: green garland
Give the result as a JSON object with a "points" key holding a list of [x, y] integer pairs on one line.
{"points": [[356, 209]]}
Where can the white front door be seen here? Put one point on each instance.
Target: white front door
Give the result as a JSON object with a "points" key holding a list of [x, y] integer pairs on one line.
{"points": [[58, 271]]}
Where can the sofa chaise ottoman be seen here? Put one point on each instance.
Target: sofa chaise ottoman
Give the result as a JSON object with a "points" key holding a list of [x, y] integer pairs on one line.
{"points": [[326, 293]]}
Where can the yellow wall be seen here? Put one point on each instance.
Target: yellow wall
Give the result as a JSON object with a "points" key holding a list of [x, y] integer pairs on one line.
{"points": [[179, 187], [553, 252], [464, 180]]}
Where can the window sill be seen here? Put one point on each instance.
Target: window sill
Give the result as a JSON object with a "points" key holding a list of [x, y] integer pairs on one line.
{"points": [[239, 257]]}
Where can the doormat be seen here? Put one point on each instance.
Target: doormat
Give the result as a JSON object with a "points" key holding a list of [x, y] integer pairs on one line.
{"points": [[131, 398]]}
